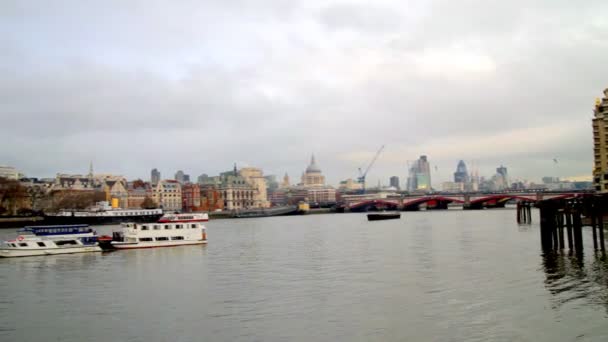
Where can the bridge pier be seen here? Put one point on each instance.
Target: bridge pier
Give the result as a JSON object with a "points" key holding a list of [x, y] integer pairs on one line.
{"points": [[524, 212]]}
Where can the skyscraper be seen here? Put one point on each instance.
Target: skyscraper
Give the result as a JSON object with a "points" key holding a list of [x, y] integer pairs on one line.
{"points": [[419, 178], [600, 143], [461, 175], [394, 182], [179, 176], [154, 176]]}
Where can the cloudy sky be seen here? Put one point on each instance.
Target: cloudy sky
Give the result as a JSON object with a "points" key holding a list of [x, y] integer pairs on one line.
{"points": [[199, 85]]}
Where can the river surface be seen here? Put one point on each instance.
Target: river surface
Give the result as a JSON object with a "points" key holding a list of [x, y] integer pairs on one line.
{"points": [[430, 276]]}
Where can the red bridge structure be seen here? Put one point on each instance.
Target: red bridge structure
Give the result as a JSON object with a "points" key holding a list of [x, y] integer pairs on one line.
{"points": [[374, 202]]}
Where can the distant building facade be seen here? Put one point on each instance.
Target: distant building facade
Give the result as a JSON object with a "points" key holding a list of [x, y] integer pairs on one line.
{"points": [[154, 176], [350, 185], [419, 178], [394, 182], [461, 175], [255, 177], [600, 143], [9, 172], [168, 195], [191, 197]]}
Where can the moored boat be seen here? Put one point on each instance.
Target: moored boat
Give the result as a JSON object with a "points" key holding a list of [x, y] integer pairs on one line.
{"points": [[102, 213], [383, 216], [49, 240], [156, 234], [187, 217]]}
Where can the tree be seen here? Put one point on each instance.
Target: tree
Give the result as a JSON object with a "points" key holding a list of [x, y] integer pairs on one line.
{"points": [[138, 183], [13, 196], [148, 203]]}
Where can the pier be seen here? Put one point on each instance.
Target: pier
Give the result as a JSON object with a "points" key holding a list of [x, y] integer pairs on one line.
{"points": [[562, 222]]}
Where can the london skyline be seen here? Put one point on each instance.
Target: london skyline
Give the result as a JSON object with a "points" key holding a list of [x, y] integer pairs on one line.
{"points": [[196, 87]]}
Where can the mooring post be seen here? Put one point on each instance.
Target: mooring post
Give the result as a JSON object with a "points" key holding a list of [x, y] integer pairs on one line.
{"points": [[560, 229], [600, 219], [518, 212], [593, 224], [529, 210], [578, 231], [547, 225], [569, 228]]}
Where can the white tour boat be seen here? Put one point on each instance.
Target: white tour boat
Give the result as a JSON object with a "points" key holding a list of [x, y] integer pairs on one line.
{"points": [[191, 217], [48, 240], [179, 230]]}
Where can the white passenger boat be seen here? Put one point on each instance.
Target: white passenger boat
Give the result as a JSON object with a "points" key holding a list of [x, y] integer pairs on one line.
{"points": [[190, 217], [48, 240], [156, 234]]}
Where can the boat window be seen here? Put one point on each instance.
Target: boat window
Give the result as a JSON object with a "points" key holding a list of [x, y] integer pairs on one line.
{"points": [[167, 226], [162, 238], [177, 238], [145, 239], [156, 227], [144, 227], [66, 242], [13, 245], [23, 244], [193, 226], [41, 244]]}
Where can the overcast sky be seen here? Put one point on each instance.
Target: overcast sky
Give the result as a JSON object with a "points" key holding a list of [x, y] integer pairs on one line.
{"points": [[199, 85]]}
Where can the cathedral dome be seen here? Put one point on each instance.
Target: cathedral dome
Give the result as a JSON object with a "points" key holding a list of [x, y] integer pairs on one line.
{"points": [[313, 168]]}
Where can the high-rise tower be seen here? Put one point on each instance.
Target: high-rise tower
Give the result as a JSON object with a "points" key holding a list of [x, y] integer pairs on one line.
{"points": [[600, 144]]}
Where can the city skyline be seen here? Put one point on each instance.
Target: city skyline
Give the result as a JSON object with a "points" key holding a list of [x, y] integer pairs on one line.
{"points": [[329, 78]]}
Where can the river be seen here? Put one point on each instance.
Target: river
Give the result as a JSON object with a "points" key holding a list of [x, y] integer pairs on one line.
{"points": [[431, 276]]}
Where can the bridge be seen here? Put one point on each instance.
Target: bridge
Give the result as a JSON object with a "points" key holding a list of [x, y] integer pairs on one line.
{"points": [[414, 202]]}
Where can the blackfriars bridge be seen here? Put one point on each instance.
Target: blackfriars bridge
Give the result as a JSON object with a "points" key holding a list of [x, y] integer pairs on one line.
{"points": [[414, 202]]}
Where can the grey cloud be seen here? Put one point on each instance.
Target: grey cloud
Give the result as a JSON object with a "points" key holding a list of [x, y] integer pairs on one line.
{"points": [[200, 85]]}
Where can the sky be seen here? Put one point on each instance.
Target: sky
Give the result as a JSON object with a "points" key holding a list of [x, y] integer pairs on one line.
{"points": [[201, 85]]}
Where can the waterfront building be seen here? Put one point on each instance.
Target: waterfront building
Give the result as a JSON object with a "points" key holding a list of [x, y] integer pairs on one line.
{"points": [[394, 182], [419, 178], [313, 176], [137, 192], [211, 199], [168, 195], [600, 143], [9, 172], [278, 197], [191, 197], [116, 192], [236, 191], [255, 177], [350, 185], [154, 176], [321, 195]]}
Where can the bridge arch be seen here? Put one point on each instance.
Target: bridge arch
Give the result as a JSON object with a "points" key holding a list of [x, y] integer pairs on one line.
{"points": [[374, 205], [435, 202]]}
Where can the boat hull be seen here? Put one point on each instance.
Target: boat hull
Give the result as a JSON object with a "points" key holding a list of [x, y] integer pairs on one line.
{"points": [[155, 244], [19, 252], [380, 217]]}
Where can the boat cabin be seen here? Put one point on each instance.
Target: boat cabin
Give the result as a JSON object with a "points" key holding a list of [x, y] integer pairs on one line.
{"points": [[58, 230]]}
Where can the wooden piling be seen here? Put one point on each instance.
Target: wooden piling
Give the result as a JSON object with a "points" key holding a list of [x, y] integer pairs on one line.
{"points": [[529, 209], [560, 229], [601, 229], [593, 224], [578, 231], [519, 212], [569, 229]]}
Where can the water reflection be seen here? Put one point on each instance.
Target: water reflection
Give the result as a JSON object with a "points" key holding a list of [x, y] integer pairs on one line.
{"points": [[574, 277]]}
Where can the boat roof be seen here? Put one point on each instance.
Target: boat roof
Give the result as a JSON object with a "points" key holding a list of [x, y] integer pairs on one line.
{"points": [[57, 226], [57, 230]]}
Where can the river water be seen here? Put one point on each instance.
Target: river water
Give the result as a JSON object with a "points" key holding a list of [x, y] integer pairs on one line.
{"points": [[430, 276]]}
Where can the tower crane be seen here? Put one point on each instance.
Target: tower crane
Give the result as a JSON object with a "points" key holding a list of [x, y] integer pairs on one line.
{"points": [[362, 175]]}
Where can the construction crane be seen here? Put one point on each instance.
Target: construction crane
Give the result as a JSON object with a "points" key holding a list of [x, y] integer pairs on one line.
{"points": [[362, 175]]}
